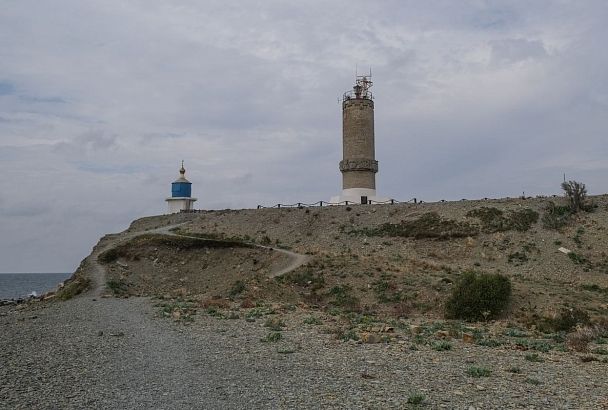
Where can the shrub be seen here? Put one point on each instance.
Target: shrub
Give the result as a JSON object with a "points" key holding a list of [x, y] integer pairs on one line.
{"points": [[578, 259], [108, 256], [555, 216], [272, 337], [343, 297], [568, 319], [275, 324], [534, 357], [475, 371], [494, 220], [415, 399], [312, 320], [428, 226], [576, 192], [237, 288], [303, 278], [479, 296], [441, 346], [117, 287], [73, 288]]}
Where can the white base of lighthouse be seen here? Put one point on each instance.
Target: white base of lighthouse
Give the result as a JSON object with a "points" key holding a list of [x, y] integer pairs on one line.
{"points": [[178, 204], [356, 196]]}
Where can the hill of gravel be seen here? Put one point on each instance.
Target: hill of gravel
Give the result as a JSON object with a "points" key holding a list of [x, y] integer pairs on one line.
{"points": [[390, 260]]}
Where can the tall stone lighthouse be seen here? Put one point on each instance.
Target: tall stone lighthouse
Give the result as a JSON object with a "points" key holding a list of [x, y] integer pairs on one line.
{"points": [[358, 165]]}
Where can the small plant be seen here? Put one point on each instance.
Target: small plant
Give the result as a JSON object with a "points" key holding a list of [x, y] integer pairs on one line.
{"points": [[109, 256], [478, 372], [515, 332], [415, 399], [178, 309], [533, 381], [386, 292], [441, 346], [490, 342], [274, 323], [478, 296], [515, 369], [343, 297], [117, 287], [272, 337], [73, 287], [534, 357], [578, 259], [303, 278], [577, 237], [258, 312], [237, 288], [556, 217], [346, 335], [568, 319], [518, 258], [313, 320], [576, 192]]}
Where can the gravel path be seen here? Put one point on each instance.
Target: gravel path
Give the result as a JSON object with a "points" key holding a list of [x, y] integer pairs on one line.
{"points": [[114, 353]]}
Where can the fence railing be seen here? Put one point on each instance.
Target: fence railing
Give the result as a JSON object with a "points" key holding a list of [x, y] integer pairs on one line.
{"points": [[327, 203], [369, 202]]}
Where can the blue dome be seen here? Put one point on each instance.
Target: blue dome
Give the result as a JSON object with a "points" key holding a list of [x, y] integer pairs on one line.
{"points": [[181, 187]]}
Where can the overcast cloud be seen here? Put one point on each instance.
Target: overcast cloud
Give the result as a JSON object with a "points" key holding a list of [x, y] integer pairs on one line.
{"points": [[100, 101]]}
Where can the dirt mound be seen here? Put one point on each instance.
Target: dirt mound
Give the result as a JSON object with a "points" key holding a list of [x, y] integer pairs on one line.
{"points": [[394, 260], [178, 266]]}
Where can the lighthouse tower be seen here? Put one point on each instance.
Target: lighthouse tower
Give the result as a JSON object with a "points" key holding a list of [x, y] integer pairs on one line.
{"points": [[358, 165], [181, 191]]}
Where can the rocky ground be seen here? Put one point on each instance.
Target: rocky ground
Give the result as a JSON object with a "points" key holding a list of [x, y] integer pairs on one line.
{"points": [[118, 353], [197, 340]]}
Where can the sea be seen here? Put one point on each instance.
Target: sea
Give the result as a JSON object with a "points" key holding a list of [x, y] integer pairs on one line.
{"points": [[18, 285]]}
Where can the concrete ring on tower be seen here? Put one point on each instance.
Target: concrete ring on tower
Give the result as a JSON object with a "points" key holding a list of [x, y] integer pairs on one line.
{"points": [[359, 165]]}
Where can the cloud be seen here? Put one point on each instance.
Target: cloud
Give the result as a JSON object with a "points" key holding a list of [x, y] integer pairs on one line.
{"points": [[6, 88], [473, 99], [507, 51]]}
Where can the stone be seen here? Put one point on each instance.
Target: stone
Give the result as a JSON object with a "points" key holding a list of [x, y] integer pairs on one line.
{"points": [[370, 338], [442, 334]]}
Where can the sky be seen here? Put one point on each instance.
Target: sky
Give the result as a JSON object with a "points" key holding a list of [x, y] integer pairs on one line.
{"points": [[100, 100]]}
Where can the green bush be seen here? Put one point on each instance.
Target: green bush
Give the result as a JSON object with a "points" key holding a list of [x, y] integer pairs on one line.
{"points": [[576, 192], [237, 288], [568, 319], [478, 296], [555, 216], [428, 226], [342, 297], [494, 220], [117, 287], [305, 278], [73, 288], [476, 371]]}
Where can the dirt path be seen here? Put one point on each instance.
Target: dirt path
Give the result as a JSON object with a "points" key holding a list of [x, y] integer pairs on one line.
{"points": [[98, 273], [297, 259]]}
